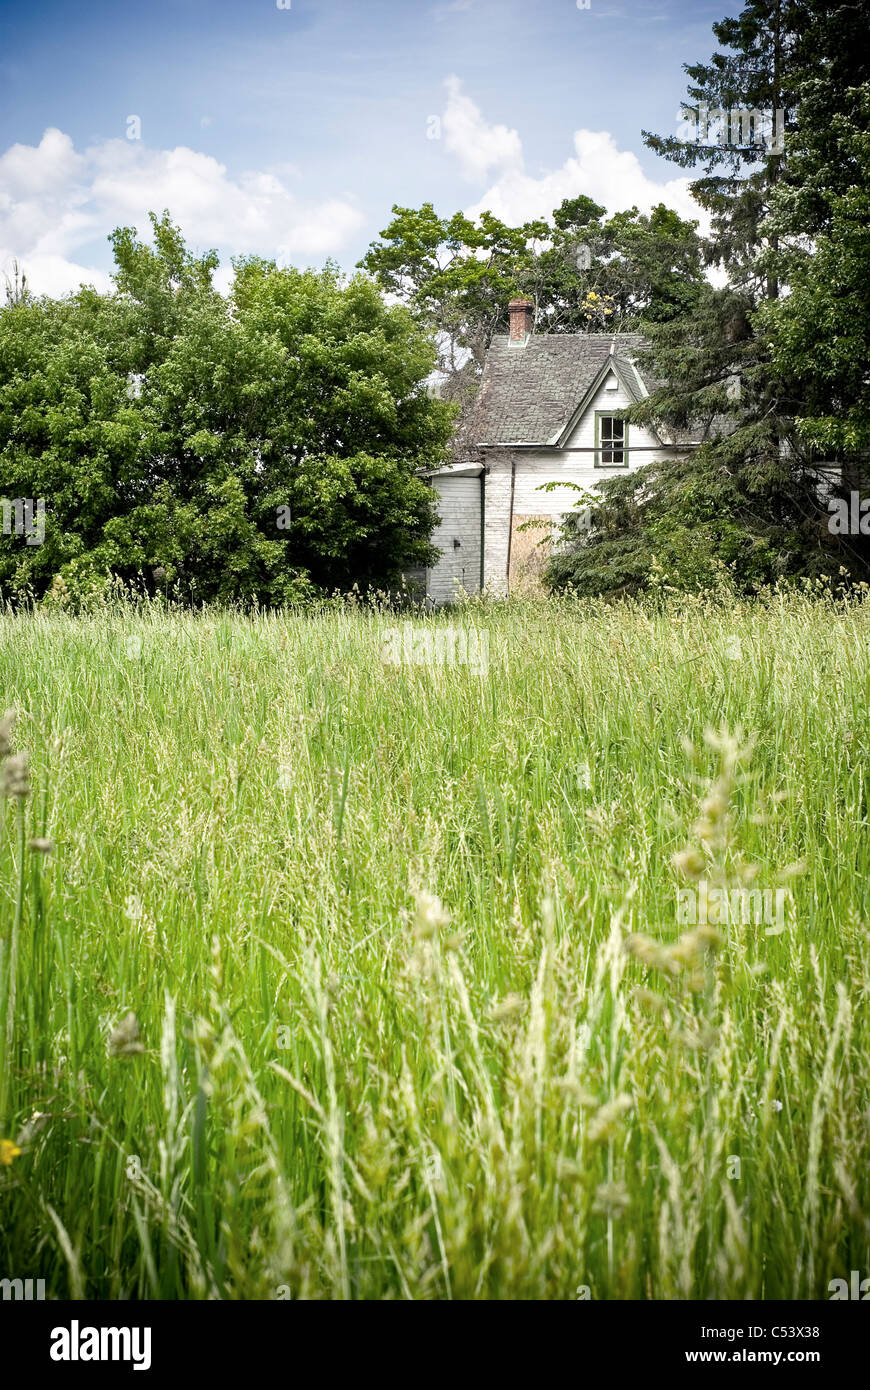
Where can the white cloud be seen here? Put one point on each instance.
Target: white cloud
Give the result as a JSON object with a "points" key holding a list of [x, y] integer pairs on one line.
{"points": [[598, 168], [52, 165], [477, 145], [54, 201]]}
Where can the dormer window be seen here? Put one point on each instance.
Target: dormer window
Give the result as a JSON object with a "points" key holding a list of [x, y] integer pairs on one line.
{"points": [[611, 440]]}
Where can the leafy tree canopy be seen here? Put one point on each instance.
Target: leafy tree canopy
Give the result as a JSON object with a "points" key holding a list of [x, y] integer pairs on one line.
{"points": [[584, 271], [243, 447]]}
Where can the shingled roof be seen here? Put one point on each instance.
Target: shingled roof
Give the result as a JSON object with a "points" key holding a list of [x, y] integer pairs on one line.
{"points": [[530, 392]]}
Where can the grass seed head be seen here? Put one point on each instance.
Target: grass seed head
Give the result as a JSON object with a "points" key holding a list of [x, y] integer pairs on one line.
{"points": [[429, 915], [16, 776], [124, 1040], [612, 1199], [7, 724], [605, 1123]]}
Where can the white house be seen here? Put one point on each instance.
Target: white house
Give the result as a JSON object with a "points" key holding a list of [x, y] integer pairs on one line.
{"points": [[548, 411]]}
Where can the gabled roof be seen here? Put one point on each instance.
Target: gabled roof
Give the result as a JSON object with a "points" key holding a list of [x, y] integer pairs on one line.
{"points": [[534, 394], [629, 378]]}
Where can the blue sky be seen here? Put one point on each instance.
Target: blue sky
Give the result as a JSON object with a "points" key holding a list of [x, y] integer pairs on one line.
{"points": [[292, 132]]}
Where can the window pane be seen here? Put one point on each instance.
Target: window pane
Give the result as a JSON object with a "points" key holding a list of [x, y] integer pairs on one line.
{"points": [[612, 440]]}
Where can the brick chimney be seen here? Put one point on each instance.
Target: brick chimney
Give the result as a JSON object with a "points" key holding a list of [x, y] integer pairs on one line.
{"points": [[522, 312]]}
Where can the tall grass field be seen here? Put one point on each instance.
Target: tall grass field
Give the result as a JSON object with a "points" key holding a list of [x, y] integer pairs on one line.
{"points": [[519, 952]]}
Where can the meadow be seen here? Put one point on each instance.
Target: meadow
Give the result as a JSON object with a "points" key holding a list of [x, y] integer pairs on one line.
{"points": [[328, 970]]}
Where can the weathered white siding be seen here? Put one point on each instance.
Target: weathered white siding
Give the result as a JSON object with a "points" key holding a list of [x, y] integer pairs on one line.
{"points": [[497, 503], [511, 497], [535, 467], [459, 510]]}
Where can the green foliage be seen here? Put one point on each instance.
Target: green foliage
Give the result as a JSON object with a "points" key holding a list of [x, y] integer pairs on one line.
{"points": [[458, 276], [695, 524], [772, 382], [170, 429], [819, 334], [766, 48]]}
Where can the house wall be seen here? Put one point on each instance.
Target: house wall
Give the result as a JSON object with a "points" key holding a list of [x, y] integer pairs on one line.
{"points": [[535, 467], [459, 505], [497, 507], [511, 499], [544, 466]]}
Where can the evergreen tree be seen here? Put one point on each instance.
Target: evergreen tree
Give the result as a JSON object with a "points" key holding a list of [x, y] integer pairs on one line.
{"points": [[749, 497]]}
